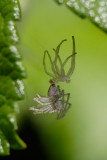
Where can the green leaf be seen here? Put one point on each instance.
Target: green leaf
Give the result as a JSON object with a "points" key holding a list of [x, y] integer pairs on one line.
{"points": [[78, 7], [11, 89], [98, 14], [7, 126], [95, 10], [10, 9], [11, 52], [11, 74], [59, 1], [2, 100], [4, 145], [14, 69], [15, 141], [8, 33]]}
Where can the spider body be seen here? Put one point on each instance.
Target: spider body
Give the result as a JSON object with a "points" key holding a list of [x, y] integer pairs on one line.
{"points": [[54, 102]]}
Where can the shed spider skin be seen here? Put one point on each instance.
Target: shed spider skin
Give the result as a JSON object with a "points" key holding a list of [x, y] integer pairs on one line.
{"points": [[59, 72]]}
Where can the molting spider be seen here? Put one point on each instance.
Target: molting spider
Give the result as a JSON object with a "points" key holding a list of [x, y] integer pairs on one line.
{"points": [[58, 72], [54, 102], [57, 100]]}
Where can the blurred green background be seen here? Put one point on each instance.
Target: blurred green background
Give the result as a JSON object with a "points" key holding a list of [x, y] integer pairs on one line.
{"points": [[82, 133]]}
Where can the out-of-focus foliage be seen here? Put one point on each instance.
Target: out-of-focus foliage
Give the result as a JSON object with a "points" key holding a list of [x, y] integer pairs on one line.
{"points": [[95, 10], [11, 75]]}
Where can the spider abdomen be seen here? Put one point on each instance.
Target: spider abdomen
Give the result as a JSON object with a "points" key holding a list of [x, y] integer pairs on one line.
{"points": [[53, 90]]}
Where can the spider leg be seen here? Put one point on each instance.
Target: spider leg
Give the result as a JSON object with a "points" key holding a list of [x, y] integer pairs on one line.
{"points": [[53, 111], [65, 102], [60, 109], [68, 97], [66, 60], [65, 105], [62, 93], [62, 72], [55, 65], [44, 99], [62, 114], [46, 52], [57, 54], [57, 50], [59, 90], [40, 102], [71, 69], [60, 62], [41, 111]]}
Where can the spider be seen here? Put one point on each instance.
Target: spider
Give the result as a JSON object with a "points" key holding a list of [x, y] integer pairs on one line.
{"points": [[57, 100], [54, 102], [59, 72]]}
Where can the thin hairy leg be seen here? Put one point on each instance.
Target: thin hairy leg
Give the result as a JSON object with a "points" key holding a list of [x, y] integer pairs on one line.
{"points": [[43, 99], [42, 103], [39, 111], [71, 69], [57, 53], [73, 60], [57, 50], [62, 66], [59, 90], [65, 102], [62, 72], [55, 65], [66, 60], [53, 111], [67, 105], [60, 109], [42, 110], [44, 64], [63, 94]]}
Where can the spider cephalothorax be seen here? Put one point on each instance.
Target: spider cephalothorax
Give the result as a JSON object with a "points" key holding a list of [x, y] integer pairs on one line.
{"points": [[56, 101], [58, 71]]}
